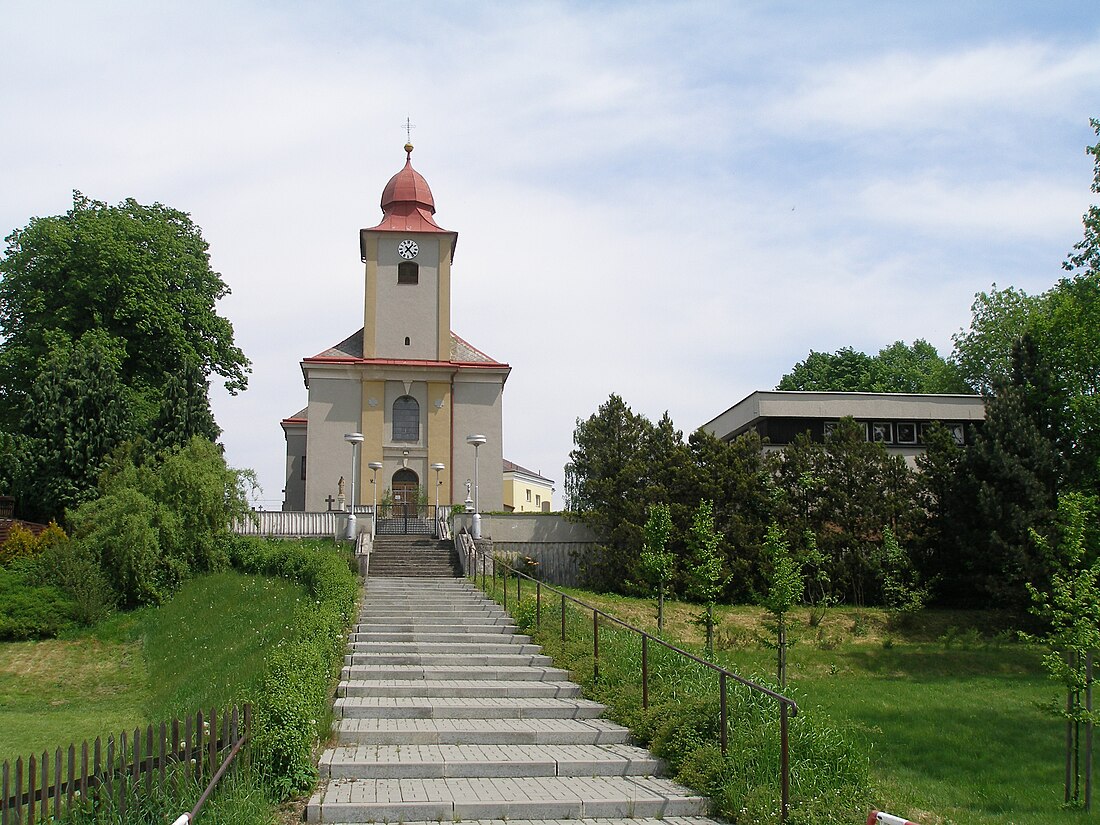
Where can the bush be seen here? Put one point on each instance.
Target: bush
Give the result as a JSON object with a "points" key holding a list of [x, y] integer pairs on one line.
{"points": [[72, 568], [158, 523], [23, 544], [27, 610], [293, 710]]}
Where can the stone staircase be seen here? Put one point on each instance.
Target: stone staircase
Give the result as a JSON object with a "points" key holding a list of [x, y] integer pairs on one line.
{"points": [[446, 714], [412, 556]]}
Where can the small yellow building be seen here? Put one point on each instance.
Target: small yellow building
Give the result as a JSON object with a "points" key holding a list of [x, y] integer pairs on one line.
{"points": [[526, 491]]}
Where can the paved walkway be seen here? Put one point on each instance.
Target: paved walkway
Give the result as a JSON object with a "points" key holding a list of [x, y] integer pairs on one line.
{"points": [[446, 714]]}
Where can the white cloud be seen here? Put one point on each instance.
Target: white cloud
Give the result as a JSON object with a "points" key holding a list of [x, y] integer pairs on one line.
{"points": [[903, 89]]}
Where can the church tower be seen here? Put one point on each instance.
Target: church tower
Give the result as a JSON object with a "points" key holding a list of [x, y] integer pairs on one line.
{"points": [[407, 302], [410, 385]]}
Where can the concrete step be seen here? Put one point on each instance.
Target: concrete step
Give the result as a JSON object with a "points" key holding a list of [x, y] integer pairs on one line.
{"points": [[456, 648], [490, 634], [392, 622], [439, 761], [494, 673], [479, 732], [377, 612], [458, 688], [450, 659], [407, 707], [455, 799]]}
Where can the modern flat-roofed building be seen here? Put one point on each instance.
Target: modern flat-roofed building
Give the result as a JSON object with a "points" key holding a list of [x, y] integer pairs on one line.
{"points": [[899, 421]]}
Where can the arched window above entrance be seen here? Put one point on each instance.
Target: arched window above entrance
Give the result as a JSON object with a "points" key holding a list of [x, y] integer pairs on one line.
{"points": [[406, 419]]}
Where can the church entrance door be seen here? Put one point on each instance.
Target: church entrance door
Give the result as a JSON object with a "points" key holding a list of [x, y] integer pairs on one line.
{"points": [[405, 514], [406, 493]]}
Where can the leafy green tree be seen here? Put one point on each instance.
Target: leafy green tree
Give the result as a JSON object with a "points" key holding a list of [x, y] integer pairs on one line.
{"points": [[658, 564], [1071, 608], [896, 368], [706, 575], [999, 318], [902, 591], [785, 586], [158, 522], [846, 370], [141, 274]]}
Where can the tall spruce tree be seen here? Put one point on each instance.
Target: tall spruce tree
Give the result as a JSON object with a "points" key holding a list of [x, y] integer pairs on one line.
{"points": [[1011, 485]]}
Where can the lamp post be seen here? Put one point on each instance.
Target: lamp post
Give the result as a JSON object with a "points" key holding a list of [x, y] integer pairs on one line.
{"points": [[354, 439], [375, 467], [477, 441], [438, 467]]}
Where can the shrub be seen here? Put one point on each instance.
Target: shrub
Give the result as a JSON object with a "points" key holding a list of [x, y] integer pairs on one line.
{"points": [[27, 610], [293, 709], [72, 568], [24, 544]]}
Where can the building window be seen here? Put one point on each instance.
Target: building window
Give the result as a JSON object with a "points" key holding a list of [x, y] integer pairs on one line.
{"points": [[907, 432], [408, 272], [538, 501], [406, 419], [882, 432], [303, 468], [528, 494], [408, 340], [958, 432]]}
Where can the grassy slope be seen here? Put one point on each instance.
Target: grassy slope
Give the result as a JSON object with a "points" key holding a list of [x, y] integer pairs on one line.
{"points": [[205, 647], [950, 718]]}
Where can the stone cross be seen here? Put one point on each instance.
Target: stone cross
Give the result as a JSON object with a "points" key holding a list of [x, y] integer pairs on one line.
{"points": [[329, 501]]}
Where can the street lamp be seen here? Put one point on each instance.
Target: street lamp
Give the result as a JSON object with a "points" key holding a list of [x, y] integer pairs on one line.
{"points": [[375, 467], [354, 439], [477, 441], [438, 467]]}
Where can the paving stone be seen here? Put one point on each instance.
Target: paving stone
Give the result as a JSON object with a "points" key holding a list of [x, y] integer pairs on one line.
{"points": [[445, 713]]}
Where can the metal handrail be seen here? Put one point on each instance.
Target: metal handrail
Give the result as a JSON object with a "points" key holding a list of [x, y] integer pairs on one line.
{"points": [[190, 816], [787, 706]]}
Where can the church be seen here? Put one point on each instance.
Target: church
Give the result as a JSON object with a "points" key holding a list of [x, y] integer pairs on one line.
{"points": [[411, 386]]}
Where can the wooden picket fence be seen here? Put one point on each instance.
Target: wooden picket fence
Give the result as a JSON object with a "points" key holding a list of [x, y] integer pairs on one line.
{"points": [[41, 788]]}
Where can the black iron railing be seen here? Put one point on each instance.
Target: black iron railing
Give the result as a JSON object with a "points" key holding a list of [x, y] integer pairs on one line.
{"points": [[476, 559]]}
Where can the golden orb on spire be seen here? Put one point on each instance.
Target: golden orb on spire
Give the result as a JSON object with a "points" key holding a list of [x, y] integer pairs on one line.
{"points": [[408, 148]]}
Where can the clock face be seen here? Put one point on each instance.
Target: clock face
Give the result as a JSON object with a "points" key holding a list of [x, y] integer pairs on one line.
{"points": [[407, 249]]}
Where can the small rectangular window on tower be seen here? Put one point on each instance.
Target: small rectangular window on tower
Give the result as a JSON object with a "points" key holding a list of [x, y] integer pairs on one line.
{"points": [[408, 272]]}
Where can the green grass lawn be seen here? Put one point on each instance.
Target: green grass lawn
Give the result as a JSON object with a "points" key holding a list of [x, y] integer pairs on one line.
{"points": [[56, 692], [203, 648], [946, 709]]}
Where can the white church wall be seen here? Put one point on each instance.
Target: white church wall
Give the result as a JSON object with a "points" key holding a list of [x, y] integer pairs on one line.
{"points": [[478, 410], [334, 409]]}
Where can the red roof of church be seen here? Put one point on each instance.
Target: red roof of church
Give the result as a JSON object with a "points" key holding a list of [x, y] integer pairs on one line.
{"points": [[350, 351], [407, 202]]}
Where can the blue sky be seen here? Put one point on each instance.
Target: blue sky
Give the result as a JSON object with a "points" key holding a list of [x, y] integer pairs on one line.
{"points": [[671, 201]]}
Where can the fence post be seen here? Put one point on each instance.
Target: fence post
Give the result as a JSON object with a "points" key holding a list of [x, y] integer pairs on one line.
{"points": [[31, 788], [645, 672], [538, 605], [563, 617], [595, 646], [722, 705], [784, 763]]}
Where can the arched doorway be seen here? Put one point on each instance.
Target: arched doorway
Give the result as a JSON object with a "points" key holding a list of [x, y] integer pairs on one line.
{"points": [[405, 487]]}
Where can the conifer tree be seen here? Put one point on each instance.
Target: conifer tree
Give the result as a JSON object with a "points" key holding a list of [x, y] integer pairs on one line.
{"points": [[76, 416]]}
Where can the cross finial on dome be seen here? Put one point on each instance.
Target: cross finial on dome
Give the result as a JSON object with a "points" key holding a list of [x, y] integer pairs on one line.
{"points": [[408, 126]]}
